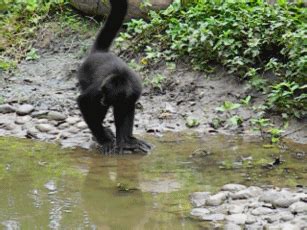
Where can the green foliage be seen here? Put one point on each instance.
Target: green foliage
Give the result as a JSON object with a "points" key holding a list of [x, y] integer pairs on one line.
{"points": [[227, 106], [192, 122], [19, 22], [235, 120], [7, 65], [226, 109], [266, 127], [246, 101], [288, 97], [248, 38], [156, 81], [32, 55]]}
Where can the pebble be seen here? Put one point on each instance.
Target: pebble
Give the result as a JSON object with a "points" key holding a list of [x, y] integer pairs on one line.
{"points": [[22, 120], [233, 187], [39, 114], [6, 108], [286, 216], [51, 186], [232, 226], [237, 218], [42, 121], [24, 109], [247, 193], [65, 134], [252, 208], [199, 199], [45, 128], [32, 133], [235, 209], [73, 130], [54, 131], [9, 126], [250, 219], [217, 199], [81, 125], [72, 120], [199, 212], [262, 211], [56, 116], [63, 126], [282, 199], [298, 207], [213, 217], [272, 218]]}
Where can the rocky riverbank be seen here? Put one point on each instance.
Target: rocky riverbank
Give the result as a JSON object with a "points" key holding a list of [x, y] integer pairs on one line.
{"points": [[39, 101], [237, 206]]}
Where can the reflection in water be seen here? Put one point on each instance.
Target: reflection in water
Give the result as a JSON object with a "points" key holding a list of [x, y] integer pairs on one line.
{"points": [[106, 206], [42, 186]]}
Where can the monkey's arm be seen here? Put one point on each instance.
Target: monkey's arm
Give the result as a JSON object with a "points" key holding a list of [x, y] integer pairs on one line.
{"points": [[94, 113], [124, 117]]}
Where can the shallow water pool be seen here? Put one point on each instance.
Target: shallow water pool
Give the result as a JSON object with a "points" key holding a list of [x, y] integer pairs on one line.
{"points": [[43, 186]]}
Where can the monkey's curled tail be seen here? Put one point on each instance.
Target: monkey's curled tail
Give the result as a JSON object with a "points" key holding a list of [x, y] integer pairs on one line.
{"points": [[112, 25]]}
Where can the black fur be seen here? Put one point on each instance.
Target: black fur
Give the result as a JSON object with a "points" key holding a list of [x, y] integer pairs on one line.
{"points": [[106, 81]]}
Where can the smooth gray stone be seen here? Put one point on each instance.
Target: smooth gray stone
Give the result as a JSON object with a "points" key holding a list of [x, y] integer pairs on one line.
{"points": [[22, 120], [232, 226], [250, 219], [217, 199], [6, 108], [286, 216], [81, 125], [262, 211], [199, 199], [247, 193], [199, 212], [237, 218], [57, 116], [298, 207], [235, 209], [233, 187], [24, 109], [45, 128], [213, 217], [72, 120]]}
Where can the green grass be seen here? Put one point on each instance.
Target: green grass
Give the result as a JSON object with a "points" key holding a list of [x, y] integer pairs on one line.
{"points": [[23, 24]]}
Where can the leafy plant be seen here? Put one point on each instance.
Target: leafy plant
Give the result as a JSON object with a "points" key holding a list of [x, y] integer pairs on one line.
{"points": [[155, 81], [246, 101], [192, 122], [248, 39], [32, 55], [287, 97], [7, 65], [20, 21], [275, 134], [235, 120], [228, 106], [266, 127]]}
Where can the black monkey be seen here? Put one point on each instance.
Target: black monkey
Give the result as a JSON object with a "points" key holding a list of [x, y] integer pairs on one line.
{"points": [[106, 81]]}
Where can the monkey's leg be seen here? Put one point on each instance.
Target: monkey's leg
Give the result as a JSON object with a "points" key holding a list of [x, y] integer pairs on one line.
{"points": [[124, 119], [94, 113]]}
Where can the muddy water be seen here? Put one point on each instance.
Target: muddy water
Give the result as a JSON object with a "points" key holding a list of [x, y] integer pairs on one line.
{"points": [[42, 186]]}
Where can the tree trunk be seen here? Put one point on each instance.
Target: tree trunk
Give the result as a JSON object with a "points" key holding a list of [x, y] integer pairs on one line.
{"points": [[101, 7]]}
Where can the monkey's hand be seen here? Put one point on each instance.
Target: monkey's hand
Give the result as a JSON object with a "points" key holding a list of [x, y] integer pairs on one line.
{"points": [[133, 144]]}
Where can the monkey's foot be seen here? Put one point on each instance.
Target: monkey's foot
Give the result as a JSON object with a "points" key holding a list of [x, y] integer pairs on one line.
{"points": [[107, 147], [134, 145]]}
